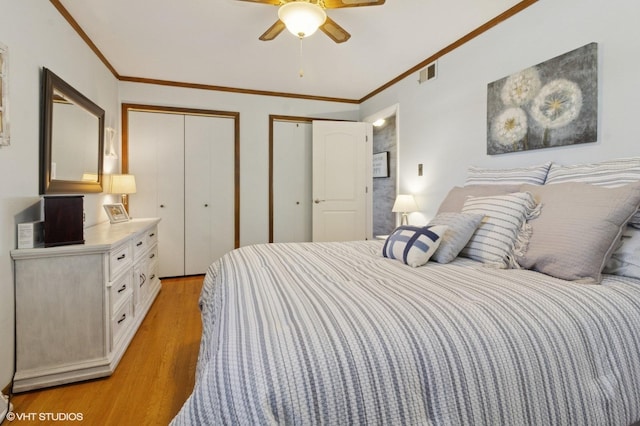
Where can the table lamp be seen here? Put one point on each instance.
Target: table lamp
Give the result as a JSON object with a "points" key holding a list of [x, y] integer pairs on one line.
{"points": [[123, 185], [405, 204]]}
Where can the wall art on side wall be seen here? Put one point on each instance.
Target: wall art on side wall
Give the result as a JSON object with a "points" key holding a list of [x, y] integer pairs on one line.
{"points": [[554, 103], [4, 95], [381, 164]]}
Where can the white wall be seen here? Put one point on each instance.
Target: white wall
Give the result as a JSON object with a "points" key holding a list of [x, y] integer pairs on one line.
{"points": [[37, 36], [442, 123], [254, 137]]}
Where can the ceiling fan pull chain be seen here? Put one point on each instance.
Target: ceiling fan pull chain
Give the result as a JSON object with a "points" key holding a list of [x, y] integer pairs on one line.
{"points": [[301, 72]]}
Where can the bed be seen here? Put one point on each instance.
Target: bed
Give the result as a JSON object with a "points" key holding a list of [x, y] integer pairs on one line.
{"points": [[337, 333]]}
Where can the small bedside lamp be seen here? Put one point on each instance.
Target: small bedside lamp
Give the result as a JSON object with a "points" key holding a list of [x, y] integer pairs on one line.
{"points": [[405, 204], [123, 185]]}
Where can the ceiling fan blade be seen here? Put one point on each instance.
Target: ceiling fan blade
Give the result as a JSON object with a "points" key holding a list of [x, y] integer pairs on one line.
{"points": [[336, 4], [273, 2], [273, 31], [334, 31]]}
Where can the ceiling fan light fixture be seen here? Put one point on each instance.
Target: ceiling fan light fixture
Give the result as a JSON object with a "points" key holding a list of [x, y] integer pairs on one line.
{"points": [[302, 18]]}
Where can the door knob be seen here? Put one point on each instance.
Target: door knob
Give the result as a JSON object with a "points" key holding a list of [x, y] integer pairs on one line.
{"points": [[318, 201], [162, 206], [206, 205]]}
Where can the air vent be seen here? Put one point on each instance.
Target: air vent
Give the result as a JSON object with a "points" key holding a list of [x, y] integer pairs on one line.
{"points": [[428, 73]]}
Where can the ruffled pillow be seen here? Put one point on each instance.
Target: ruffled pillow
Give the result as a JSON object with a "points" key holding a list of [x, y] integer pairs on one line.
{"points": [[504, 231]]}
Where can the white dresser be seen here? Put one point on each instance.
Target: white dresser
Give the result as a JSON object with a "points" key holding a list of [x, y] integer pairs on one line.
{"points": [[79, 306]]}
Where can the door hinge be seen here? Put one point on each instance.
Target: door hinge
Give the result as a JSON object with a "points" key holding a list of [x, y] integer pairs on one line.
{"points": [[366, 189]]}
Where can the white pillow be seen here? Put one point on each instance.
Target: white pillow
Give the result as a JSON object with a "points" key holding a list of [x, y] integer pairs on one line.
{"points": [[625, 260], [413, 245], [504, 231], [534, 175]]}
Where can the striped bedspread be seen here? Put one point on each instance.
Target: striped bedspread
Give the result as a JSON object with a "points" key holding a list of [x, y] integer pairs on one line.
{"points": [[334, 334]]}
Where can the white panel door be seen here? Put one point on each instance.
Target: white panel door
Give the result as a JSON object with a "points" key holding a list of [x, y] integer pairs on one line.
{"points": [[342, 156], [156, 159], [291, 181], [209, 190]]}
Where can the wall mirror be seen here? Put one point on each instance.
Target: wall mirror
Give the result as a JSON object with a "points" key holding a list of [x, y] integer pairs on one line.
{"points": [[72, 139]]}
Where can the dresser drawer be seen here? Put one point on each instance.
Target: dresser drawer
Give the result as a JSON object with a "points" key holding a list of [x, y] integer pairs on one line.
{"points": [[142, 242], [119, 259], [140, 245], [120, 290], [152, 236], [153, 272], [121, 320], [152, 256]]}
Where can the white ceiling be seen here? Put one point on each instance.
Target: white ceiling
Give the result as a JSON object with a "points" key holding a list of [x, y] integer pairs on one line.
{"points": [[215, 42]]}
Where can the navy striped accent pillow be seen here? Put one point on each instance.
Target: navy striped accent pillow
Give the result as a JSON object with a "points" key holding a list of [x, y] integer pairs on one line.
{"points": [[413, 245]]}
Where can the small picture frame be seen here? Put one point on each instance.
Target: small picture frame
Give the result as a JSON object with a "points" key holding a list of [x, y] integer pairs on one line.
{"points": [[381, 164], [116, 212]]}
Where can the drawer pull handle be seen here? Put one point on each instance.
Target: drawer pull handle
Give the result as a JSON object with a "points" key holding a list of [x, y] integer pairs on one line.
{"points": [[122, 256], [151, 235], [139, 244], [122, 318], [153, 276], [123, 288], [143, 279], [152, 255]]}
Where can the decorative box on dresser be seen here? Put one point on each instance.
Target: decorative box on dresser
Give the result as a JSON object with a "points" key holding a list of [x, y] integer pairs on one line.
{"points": [[79, 306]]}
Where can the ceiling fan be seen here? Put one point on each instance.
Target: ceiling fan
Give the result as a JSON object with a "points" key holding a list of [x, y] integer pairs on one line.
{"points": [[303, 17]]}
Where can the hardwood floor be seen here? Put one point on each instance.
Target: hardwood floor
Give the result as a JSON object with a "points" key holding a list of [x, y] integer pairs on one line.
{"points": [[154, 377]]}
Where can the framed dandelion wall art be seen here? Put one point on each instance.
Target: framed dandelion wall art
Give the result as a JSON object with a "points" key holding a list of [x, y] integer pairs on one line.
{"points": [[4, 86], [554, 103]]}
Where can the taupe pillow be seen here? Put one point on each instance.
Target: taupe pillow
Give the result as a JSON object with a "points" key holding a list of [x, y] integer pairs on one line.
{"points": [[456, 197], [610, 173], [578, 228]]}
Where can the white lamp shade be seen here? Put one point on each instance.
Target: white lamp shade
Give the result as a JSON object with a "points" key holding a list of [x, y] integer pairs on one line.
{"points": [[123, 184], [405, 204], [301, 18]]}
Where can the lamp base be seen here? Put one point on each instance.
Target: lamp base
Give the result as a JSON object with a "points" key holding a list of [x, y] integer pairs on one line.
{"points": [[405, 219], [125, 202]]}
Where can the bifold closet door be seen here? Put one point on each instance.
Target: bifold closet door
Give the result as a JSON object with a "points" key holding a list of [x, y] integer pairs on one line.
{"points": [[209, 190], [292, 146], [156, 159]]}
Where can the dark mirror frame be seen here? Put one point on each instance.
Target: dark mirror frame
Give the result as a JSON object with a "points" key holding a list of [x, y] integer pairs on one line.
{"points": [[51, 82]]}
